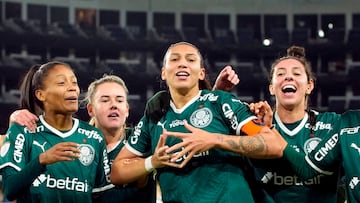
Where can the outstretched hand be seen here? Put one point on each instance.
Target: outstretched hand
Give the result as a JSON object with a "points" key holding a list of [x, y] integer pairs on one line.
{"points": [[226, 80], [263, 112], [195, 142]]}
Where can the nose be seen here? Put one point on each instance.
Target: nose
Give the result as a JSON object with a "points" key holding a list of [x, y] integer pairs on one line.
{"points": [[113, 105], [288, 78]]}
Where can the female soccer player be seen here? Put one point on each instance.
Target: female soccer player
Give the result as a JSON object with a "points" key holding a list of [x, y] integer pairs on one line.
{"points": [[63, 159], [204, 166]]}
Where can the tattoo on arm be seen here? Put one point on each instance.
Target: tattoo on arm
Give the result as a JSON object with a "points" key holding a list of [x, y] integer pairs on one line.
{"points": [[251, 146]]}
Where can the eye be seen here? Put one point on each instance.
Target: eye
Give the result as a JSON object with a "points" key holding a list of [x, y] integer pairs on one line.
{"points": [[61, 83]]}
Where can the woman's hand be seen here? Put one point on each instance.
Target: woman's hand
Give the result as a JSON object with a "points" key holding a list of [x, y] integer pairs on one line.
{"points": [[263, 112], [65, 151], [23, 117]]}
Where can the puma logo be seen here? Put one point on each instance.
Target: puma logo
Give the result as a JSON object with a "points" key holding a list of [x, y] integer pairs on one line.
{"points": [[353, 145], [39, 145], [161, 124]]}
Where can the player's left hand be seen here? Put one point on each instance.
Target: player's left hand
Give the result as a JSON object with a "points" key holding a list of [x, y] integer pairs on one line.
{"points": [[195, 142]]}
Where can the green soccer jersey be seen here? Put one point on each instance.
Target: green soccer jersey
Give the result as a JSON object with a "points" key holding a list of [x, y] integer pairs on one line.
{"points": [[342, 147], [211, 176], [129, 193], [64, 181], [275, 179]]}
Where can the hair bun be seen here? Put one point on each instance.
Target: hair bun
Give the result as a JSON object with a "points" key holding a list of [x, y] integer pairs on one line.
{"points": [[296, 51]]}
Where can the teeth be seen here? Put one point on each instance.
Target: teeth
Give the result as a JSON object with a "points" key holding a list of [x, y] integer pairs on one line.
{"points": [[289, 87], [113, 115], [182, 74]]}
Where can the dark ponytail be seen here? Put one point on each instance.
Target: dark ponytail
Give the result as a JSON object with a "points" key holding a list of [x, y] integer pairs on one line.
{"points": [[27, 97]]}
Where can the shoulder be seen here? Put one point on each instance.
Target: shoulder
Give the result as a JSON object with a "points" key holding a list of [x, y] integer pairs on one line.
{"points": [[327, 115], [351, 114], [85, 125]]}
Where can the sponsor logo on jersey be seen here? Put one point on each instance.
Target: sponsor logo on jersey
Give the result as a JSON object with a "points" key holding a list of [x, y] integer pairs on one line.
{"points": [[229, 114], [91, 134], [208, 96], [73, 184], [175, 123], [38, 129], [201, 154], [354, 182], [137, 132], [353, 145], [329, 145], [310, 144], [350, 131], [274, 178], [201, 117], [161, 124], [19, 145], [42, 146], [87, 154], [4, 149], [106, 166], [319, 126]]}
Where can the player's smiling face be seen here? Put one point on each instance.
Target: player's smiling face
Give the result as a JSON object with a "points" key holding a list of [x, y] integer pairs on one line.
{"points": [[182, 68], [60, 90], [109, 106], [290, 83]]}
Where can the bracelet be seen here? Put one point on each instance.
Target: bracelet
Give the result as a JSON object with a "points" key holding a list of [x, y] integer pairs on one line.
{"points": [[148, 165], [272, 127]]}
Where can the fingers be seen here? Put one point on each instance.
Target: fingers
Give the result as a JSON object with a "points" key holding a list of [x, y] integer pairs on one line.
{"points": [[25, 118]]}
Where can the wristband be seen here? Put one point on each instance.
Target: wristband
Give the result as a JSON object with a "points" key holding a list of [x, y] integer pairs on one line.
{"points": [[148, 165]]}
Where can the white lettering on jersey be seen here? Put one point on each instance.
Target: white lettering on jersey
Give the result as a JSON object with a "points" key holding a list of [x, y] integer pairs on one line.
{"points": [[174, 123], [201, 117], [208, 96], [106, 166], [137, 132], [42, 146], [38, 129], [319, 126], [91, 134], [289, 180], [353, 145], [229, 114], [19, 144], [329, 145], [354, 182], [205, 153], [350, 131], [62, 184]]}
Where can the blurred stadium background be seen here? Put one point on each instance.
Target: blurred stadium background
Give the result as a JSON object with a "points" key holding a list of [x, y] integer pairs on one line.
{"points": [[129, 38]]}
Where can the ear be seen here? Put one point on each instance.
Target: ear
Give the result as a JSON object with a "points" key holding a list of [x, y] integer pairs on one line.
{"points": [[202, 74], [271, 90], [40, 95], [90, 110], [163, 76], [310, 87], [127, 110]]}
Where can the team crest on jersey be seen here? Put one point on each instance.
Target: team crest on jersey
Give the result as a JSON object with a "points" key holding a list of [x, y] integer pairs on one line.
{"points": [[87, 154], [310, 144], [4, 149], [201, 117]]}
